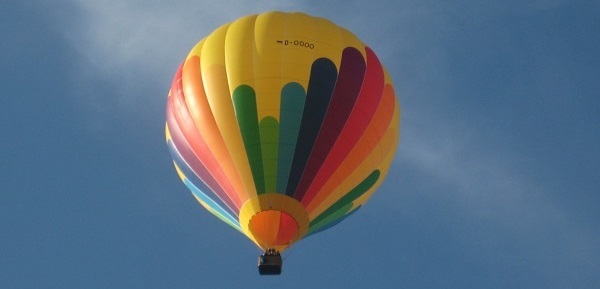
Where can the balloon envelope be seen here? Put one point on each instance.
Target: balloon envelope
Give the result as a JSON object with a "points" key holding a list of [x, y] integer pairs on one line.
{"points": [[281, 125]]}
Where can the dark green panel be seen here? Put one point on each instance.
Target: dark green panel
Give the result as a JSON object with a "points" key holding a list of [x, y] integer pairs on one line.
{"points": [[320, 223], [330, 222], [244, 102], [354, 194]]}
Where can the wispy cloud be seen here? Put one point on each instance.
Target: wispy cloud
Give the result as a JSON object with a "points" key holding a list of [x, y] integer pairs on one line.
{"points": [[492, 200], [149, 36], [127, 51], [125, 38]]}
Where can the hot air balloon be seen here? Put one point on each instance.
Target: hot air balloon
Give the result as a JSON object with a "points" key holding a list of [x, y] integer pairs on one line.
{"points": [[281, 125]]}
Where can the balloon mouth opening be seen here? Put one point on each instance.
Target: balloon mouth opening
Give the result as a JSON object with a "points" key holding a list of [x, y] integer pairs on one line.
{"points": [[273, 228], [273, 220]]}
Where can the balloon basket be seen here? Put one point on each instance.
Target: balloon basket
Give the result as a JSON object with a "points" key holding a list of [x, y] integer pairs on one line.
{"points": [[270, 263]]}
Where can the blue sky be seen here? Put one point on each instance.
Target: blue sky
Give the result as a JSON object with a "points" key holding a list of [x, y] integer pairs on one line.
{"points": [[495, 185]]}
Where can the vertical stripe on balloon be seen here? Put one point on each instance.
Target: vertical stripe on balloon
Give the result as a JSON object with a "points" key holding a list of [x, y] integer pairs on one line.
{"points": [[269, 140], [293, 97], [331, 221], [210, 148], [357, 163], [347, 89], [320, 88], [343, 205], [364, 110], [244, 103], [193, 169], [185, 131]]}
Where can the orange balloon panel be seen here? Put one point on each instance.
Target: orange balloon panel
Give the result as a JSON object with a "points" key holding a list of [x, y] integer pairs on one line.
{"points": [[274, 228]]}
